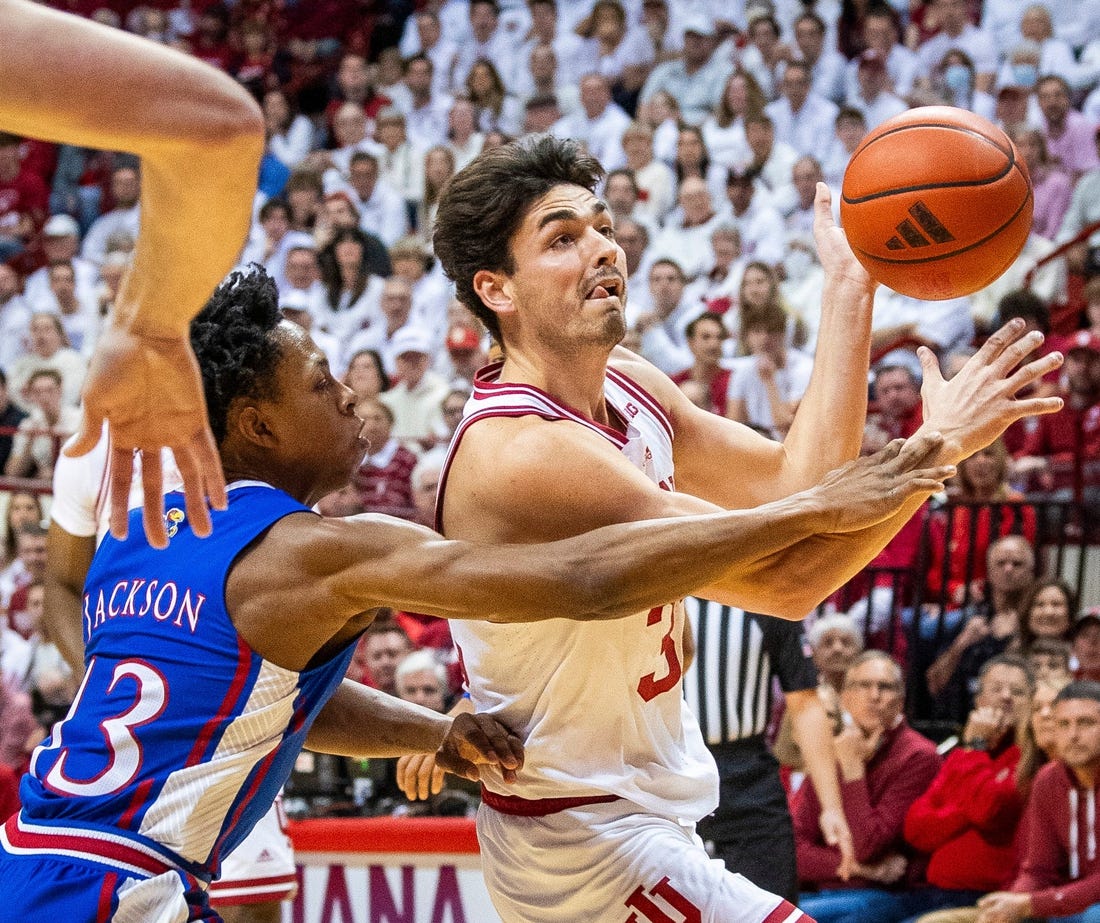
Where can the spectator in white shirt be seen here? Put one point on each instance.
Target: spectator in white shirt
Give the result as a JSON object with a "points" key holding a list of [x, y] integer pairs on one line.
{"points": [[486, 40], [875, 99], [724, 128], [805, 175], [624, 52], [686, 235], [424, 35], [61, 241], [289, 133], [956, 31], [697, 76], [664, 329], [849, 130], [381, 208], [882, 32], [463, 138], [497, 109], [417, 394], [352, 131], [655, 179], [48, 348], [827, 65], [599, 123], [425, 109], [271, 238], [765, 54], [15, 316], [763, 236], [125, 216], [572, 55], [546, 77], [800, 116], [767, 385], [302, 278], [77, 310]]}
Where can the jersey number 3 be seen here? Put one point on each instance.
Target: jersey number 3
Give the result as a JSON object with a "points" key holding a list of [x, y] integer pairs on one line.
{"points": [[651, 685], [122, 747]]}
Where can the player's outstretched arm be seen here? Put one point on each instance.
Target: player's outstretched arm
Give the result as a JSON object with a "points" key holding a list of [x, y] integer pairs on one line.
{"points": [[363, 722], [199, 136], [329, 571]]}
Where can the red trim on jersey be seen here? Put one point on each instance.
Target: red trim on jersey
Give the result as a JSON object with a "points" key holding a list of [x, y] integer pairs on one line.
{"points": [[138, 799], [244, 663], [539, 807], [629, 385], [253, 890], [71, 841], [106, 896], [786, 912], [493, 388]]}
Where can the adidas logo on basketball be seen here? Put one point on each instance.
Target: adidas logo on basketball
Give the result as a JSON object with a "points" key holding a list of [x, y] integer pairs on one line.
{"points": [[910, 235]]}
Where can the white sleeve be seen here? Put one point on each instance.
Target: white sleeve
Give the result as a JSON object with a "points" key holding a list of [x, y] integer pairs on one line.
{"points": [[79, 490]]}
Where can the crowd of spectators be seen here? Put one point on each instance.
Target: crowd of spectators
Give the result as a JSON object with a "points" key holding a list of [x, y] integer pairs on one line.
{"points": [[715, 121]]}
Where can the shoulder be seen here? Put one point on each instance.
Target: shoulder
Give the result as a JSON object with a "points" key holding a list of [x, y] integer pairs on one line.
{"points": [[646, 375]]}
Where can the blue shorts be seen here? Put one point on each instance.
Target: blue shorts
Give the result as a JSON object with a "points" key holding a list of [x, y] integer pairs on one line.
{"points": [[60, 878]]}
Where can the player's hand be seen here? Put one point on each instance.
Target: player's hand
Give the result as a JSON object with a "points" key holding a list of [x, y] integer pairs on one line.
{"points": [[1003, 907], [834, 827], [833, 250], [149, 390], [980, 402], [872, 488], [474, 740], [419, 776]]}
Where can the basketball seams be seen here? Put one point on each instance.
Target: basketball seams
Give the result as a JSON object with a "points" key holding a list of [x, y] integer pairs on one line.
{"points": [[943, 256], [956, 184]]}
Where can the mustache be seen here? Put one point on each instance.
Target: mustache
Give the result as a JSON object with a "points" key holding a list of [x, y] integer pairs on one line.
{"points": [[610, 274]]}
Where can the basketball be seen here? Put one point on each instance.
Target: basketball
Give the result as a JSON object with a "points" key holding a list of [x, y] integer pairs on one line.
{"points": [[936, 202]]}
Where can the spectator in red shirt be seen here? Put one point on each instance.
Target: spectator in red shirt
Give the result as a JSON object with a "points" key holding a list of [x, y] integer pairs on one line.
{"points": [[884, 767], [705, 336], [1062, 454], [961, 534], [24, 200], [967, 819], [1059, 873], [897, 400], [384, 480]]}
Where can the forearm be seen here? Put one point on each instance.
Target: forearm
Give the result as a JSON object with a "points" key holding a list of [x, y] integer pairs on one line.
{"points": [[62, 621], [192, 126], [943, 668], [362, 722], [811, 730], [837, 392]]}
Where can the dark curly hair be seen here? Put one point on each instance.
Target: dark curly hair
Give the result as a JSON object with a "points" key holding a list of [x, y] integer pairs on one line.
{"points": [[483, 205], [231, 337]]}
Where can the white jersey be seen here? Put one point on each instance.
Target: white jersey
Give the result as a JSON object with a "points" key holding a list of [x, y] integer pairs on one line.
{"points": [[599, 705]]}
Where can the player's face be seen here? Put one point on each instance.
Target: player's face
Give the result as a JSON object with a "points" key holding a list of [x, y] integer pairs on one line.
{"points": [[569, 285], [318, 441]]}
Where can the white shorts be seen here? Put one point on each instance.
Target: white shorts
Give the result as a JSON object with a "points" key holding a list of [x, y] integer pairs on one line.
{"points": [[260, 869], [614, 863]]}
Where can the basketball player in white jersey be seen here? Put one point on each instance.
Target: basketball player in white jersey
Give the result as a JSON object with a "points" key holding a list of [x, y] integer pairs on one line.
{"points": [[259, 874], [200, 137], [570, 433]]}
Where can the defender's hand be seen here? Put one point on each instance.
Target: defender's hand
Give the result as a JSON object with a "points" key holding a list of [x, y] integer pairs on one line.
{"points": [[474, 740], [149, 390], [418, 776]]}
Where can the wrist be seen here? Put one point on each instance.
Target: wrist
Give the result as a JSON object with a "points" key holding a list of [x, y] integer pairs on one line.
{"points": [[976, 743]]}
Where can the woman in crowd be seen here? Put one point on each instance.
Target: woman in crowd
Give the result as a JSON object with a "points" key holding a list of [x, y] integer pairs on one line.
{"points": [[23, 509], [982, 507], [759, 292], [693, 160], [1051, 186], [496, 108], [439, 166], [289, 133], [365, 375], [623, 55], [353, 291], [724, 128], [1047, 612]]}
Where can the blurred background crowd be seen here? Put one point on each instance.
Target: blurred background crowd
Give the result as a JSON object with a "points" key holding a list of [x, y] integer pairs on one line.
{"points": [[715, 119]]}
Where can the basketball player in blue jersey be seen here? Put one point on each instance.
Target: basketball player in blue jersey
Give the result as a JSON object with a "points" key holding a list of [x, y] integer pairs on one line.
{"points": [[571, 433], [200, 137], [210, 664]]}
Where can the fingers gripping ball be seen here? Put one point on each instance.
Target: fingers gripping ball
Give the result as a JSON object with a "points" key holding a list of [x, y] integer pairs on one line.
{"points": [[936, 202]]}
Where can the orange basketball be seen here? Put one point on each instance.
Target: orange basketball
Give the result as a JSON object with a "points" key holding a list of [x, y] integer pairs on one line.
{"points": [[936, 202]]}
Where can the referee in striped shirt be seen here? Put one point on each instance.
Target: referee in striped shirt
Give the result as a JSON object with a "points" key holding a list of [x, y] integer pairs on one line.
{"points": [[729, 688]]}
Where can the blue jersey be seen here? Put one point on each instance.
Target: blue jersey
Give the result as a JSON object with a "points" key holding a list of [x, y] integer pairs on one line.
{"points": [[181, 735]]}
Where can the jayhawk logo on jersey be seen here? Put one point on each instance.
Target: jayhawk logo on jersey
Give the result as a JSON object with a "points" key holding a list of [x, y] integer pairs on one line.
{"points": [[172, 520]]}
